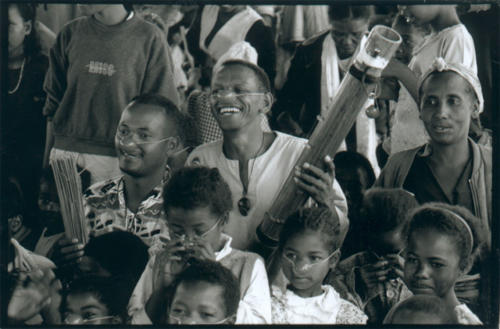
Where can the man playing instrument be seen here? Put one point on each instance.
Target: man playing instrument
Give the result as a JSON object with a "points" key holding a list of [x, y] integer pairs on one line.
{"points": [[255, 163]]}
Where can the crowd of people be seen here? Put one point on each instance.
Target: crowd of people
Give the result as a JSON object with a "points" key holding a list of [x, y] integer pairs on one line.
{"points": [[185, 121]]}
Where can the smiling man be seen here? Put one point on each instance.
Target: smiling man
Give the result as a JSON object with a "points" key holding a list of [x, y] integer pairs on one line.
{"points": [[451, 168], [255, 163], [150, 130]]}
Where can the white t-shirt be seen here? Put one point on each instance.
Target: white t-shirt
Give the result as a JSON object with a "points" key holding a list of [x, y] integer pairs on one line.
{"points": [[267, 174]]}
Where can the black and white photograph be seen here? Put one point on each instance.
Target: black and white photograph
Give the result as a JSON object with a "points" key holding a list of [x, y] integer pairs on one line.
{"points": [[238, 163]]}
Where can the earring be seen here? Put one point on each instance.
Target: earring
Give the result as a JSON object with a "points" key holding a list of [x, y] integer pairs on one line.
{"points": [[167, 173]]}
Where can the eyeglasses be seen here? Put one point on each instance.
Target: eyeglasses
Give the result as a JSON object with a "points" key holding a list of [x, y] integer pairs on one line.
{"points": [[80, 320], [182, 320], [307, 267], [138, 138], [215, 95], [182, 236]]}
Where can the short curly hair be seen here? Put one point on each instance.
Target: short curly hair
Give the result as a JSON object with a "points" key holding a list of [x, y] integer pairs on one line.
{"points": [[213, 273], [445, 219], [425, 304], [385, 209], [192, 187], [317, 219]]}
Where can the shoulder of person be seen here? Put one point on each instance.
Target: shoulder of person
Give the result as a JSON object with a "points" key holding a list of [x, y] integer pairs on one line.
{"points": [[102, 187], [350, 314], [315, 40], [203, 152]]}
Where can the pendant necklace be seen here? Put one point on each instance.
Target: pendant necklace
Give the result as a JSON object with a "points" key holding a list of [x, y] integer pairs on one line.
{"points": [[244, 204], [19, 79]]}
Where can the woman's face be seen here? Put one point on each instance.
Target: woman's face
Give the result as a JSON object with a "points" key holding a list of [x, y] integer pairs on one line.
{"points": [[18, 30]]}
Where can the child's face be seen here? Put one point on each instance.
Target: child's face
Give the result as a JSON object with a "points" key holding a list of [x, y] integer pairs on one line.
{"points": [[85, 308], [306, 249], [197, 223], [409, 317], [389, 243], [446, 107], [431, 263], [198, 303]]}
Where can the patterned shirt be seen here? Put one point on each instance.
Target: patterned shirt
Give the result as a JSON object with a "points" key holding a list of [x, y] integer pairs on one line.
{"points": [[327, 308], [106, 211]]}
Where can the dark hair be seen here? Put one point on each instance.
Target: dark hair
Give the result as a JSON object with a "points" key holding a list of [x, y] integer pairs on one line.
{"points": [[261, 75], [385, 209], [31, 43], [193, 187], [317, 219], [355, 160], [427, 304], [339, 12], [445, 219], [182, 121], [108, 291], [213, 273], [121, 253]]}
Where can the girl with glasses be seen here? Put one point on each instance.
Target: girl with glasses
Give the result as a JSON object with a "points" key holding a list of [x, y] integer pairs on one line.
{"points": [[309, 248]]}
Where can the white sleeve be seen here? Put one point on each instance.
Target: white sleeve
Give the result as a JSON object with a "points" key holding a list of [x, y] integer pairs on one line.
{"points": [[340, 203], [255, 306], [140, 295]]}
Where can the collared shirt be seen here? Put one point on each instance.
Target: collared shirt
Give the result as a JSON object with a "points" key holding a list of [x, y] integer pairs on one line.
{"points": [[422, 182], [106, 211], [327, 308]]}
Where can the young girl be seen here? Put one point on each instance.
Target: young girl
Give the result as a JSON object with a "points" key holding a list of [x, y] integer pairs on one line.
{"points": [[309, 247], [197, 202], [443, 242], [373, 277], [450, 40]]}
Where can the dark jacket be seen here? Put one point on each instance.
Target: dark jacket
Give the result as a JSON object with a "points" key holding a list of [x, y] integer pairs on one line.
{"points": [[301, 93], [396, 170]]}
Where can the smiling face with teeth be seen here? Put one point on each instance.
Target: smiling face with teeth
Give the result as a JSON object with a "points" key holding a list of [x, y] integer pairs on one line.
{"points": [[447, 103], [233, 111], [146, 122]]}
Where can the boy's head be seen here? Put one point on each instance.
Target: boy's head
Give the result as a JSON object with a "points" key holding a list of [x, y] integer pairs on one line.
{"points": [[421, 309], [449, 97], [204, 293], [354, 174], [384, 214], [115, 254], [197, 202], [349, 23], [412, 35], [151, 128], [94, 300]]}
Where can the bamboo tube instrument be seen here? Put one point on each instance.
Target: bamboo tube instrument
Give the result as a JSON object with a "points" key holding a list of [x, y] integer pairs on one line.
{"points": [[374, 53]]}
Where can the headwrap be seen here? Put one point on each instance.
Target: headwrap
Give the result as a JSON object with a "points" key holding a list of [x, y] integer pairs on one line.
{"points": [[241, 50], [440, 65]]}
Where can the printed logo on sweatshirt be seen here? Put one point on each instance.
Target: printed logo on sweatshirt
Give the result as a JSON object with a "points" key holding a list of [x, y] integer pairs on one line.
{"points": [[96, 67]]}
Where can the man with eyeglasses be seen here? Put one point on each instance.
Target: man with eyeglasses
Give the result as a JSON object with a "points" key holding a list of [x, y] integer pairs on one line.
{"points": [[150, 133], [255, 163]]}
